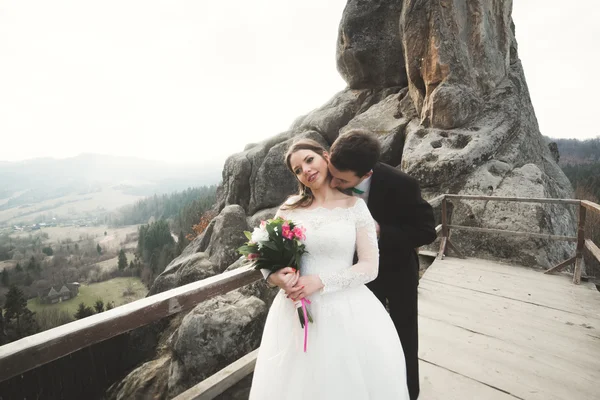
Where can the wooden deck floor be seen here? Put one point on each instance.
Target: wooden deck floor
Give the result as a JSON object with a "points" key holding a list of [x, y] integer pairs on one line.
{"points": [[494, 331]]}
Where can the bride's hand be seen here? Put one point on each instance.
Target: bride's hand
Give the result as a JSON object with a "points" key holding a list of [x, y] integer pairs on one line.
{"points": [[306, 286]]}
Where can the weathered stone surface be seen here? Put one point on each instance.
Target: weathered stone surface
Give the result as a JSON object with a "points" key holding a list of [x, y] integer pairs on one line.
{"points": [[184, 270], [456, 52], [148, 381], [216, 333], [369, 47], [227, 236], [200, 243], [382, 119], [262, 215], [459, 144], [332, 116], [500, 179], [270, 181]]}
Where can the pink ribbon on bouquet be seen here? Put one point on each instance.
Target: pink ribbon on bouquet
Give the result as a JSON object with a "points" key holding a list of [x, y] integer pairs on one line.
{"points": [[304, 303]]}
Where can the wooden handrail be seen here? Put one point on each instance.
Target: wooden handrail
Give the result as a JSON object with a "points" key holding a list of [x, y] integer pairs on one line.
{"points": [[32, 351], [591, 206], [218, 383], [515, 199], [582, 243], [514, 233], [593, 249], [436, 199]]}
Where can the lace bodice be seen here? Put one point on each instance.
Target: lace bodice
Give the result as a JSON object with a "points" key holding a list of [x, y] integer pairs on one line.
{"points": [[332, 237]]}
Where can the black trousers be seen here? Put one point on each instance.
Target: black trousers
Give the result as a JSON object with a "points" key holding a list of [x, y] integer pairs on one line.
{"points": [[402, 306]]}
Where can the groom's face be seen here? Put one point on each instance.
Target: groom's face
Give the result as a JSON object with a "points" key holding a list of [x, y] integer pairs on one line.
{"points": [[344, 179]]}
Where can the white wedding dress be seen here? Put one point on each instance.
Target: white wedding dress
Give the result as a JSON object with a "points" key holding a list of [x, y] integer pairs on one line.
{"points": [[353, 349]]}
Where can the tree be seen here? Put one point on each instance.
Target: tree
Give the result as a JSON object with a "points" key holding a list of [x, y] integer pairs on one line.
{"points": [[48, 251], [18, 319], [5, 278], [131, 265], [99, 249], [182, 242], [122, 260], [18, 268], [33, 265], [99, 306], [156, 245], [104, 233], [83, 311]]}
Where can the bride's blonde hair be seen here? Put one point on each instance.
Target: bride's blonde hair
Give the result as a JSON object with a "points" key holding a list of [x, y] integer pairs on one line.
{"points": [[306, 196]]}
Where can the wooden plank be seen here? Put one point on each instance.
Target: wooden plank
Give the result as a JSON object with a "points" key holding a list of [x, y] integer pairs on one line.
{"points": [[591, 206], [514, 233], [521, 372], [438, 229], [218, 383], [33, 351], [428, 253], [593, 249], [439, 383], [499, 337], [580, 245], [541, 329], [515, 199], [561, 266], [518, 283]]}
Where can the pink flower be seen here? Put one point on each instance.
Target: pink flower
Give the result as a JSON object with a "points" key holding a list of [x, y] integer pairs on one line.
{"points": [[253, 256], [286, 232], [263, 224], [299, 232]]}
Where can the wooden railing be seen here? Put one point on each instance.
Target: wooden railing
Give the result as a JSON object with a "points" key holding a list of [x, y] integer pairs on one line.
{"points": [[582, 243], [34, 351]]}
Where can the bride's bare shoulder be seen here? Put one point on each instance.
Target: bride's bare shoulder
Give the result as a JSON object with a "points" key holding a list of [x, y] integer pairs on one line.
{"points": [[345, 200]]}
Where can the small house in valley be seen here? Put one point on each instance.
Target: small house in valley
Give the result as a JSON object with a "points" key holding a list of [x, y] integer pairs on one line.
{"points": [[66, 292]]}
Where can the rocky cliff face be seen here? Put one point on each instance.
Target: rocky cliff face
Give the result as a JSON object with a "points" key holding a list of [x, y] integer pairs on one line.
{"points": [[441, 85]]}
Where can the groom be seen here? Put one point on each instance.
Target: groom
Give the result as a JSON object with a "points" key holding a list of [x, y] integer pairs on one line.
{"points": [[404, 222]]}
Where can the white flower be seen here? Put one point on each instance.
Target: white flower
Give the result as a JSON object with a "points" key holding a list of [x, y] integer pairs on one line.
{"points": [[260, 235]]}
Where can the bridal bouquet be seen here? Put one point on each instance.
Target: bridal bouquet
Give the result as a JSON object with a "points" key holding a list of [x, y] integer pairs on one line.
{"points": [[275, 244]]}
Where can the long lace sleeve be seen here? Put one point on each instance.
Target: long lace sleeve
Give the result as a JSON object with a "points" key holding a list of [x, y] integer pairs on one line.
{"points": [[367, 267]]}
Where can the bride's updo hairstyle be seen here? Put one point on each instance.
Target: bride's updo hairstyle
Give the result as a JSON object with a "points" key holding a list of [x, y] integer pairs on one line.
{"points": [[306, 196]]}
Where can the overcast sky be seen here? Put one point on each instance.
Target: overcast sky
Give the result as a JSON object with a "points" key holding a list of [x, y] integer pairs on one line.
{"points": [[194, 81]]}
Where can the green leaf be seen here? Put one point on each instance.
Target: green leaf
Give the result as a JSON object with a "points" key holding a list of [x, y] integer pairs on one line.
{"points": [[248, 235], [270, 245]]}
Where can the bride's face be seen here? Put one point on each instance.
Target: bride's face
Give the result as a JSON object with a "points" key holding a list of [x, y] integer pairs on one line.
{"points": [[310, 168]]}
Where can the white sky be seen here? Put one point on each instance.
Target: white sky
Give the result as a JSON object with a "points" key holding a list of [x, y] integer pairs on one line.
{"points": [[194, 81]]}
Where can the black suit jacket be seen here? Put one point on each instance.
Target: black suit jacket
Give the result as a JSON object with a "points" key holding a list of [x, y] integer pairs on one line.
{"points": [[406, 222]]}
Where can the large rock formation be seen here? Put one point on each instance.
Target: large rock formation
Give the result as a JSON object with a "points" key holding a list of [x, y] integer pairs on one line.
{"points": [[441, 85]]}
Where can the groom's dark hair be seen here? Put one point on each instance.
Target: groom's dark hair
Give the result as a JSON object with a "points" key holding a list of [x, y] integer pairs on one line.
{"points": [[357, 150]]}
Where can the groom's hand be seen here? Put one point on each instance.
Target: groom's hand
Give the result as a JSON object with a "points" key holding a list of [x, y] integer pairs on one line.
{"points": [[286, 278]]}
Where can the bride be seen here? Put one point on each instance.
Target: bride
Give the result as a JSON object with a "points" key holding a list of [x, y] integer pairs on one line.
{"points": [[353, 349]]}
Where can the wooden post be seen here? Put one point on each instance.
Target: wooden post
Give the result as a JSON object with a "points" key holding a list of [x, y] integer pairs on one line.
{"points": [[562, 265], [455, 249], [580, 244], [444, 238]]}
